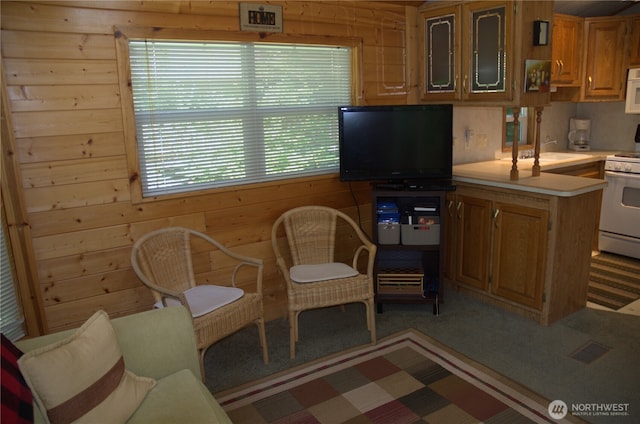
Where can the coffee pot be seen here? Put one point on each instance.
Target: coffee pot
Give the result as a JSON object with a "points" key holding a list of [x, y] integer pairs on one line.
{"points": [[579, 134]]}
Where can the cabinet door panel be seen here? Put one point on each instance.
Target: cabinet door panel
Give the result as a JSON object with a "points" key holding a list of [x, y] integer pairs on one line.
{"points": [[605, 63], [489, 55], [473, 229], [634, 60], [440, 53], [441, 61], [450, 233], [519, 251], [566, 50]]}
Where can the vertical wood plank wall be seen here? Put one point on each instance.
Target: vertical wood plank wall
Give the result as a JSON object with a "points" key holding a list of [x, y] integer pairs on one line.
{"points": [[60, 70]]}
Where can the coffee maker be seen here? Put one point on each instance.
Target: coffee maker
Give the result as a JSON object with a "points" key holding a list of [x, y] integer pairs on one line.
{"points": [[579, 134]]}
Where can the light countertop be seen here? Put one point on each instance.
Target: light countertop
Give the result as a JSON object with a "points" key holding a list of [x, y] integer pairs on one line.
{"points": [[496, 173]]}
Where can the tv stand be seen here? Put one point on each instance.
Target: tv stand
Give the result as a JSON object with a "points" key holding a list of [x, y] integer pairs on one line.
{"points": [[409, 265]]}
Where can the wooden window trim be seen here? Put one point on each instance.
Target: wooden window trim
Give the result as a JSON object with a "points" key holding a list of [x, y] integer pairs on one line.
{"points": [[122, 36]]}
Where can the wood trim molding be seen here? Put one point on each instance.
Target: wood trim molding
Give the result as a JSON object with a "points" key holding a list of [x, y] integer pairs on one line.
{"points": [[123, 34], [14, 217]]}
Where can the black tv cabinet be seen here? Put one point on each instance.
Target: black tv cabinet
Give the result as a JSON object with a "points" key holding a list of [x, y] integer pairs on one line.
{"points": [[409, 263]]}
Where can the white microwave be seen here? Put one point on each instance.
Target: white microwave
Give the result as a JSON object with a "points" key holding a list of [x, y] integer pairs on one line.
{"points": [[633, 92]]}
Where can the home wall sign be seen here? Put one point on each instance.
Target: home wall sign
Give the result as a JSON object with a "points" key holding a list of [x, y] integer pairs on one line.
{"points": [[260, 17]]}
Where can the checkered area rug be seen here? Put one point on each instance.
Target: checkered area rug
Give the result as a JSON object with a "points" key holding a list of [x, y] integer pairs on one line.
{"points": [[405, 378]]}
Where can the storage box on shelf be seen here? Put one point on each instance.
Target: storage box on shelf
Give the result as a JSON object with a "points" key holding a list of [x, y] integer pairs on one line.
{"points": [[388, 219]]}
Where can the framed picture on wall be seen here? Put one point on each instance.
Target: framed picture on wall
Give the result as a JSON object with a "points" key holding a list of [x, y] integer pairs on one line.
{"points": [[537, 75]]}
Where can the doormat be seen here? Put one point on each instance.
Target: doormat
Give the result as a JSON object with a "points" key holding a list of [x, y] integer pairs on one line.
{"points": [[614, 280], [404, 378]]}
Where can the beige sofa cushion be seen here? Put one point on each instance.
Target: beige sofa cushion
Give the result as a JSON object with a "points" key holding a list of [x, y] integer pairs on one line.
{"points": [[83, 377]]}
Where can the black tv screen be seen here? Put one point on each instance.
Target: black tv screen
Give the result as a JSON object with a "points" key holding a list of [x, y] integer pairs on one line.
{"points": [[396, 143]]}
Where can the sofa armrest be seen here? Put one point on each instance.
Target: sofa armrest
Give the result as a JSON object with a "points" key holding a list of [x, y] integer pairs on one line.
{"points": [[154, 343], [159, 342]]}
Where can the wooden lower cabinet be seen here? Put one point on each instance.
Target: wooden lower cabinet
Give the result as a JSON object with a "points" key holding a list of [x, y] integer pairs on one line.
{"points": [[519, 249], [588, 170], [526, 252], [473, 241]]}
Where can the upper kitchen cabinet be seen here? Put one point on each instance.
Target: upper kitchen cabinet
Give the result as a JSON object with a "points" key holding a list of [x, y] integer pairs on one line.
{"points": [[634, 59], [476, 69], [441, 53], [566, 52], [476, 51], [605, 64]]}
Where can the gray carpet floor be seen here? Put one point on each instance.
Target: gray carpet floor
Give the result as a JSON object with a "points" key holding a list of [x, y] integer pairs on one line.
{"points": [[540, 358]]}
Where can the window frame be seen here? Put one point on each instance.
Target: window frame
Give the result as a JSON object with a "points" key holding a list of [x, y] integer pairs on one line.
{"points": [[124, 34]]}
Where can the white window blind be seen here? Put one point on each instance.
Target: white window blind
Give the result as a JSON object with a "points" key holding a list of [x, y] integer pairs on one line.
{"points": [[11, 318], [211, 114]]}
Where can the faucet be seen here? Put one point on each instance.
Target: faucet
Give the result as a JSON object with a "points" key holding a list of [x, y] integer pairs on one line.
{"points": [[526, 154], [548, 141]]}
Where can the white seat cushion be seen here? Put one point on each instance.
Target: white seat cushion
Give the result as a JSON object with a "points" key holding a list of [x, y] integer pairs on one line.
{"points": [[320, 272], [204, 299]]}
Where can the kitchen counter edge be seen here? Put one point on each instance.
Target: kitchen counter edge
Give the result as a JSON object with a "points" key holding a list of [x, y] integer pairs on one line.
{"points": [[496, 173]]}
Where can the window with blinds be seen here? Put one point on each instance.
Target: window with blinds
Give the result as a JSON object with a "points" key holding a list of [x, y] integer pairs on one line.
{"points": [[213, 114], [11, 318]]}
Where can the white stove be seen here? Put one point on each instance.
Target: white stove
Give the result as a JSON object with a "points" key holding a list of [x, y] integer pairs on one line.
{"points": [[620, 213], [627, 162]]}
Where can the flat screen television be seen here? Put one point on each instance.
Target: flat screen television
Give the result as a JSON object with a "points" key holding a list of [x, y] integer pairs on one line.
{"points": [[396, 144]]}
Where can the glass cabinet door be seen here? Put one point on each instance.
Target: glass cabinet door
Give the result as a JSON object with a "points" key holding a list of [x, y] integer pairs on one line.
{"points": [[441, 61], [466, 51], [488, 60], [440, 54]]}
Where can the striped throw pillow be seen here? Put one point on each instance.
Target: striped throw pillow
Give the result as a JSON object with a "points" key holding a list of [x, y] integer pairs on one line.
{"points": [[83, 378]]}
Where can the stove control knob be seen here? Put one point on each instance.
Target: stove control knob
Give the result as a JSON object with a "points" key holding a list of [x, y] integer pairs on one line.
{"points": [[627, 167], [617, 166]]}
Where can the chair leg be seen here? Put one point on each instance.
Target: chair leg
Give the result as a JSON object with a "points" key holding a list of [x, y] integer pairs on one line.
{"points": [[293, 333], [371, 320], [202, 353], [263, 340]]}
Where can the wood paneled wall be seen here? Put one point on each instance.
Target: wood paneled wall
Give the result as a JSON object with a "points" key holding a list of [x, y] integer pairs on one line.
{"points": [[66, 140]]}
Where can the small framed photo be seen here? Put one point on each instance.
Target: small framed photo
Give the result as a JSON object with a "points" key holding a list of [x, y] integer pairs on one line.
{"points": [[537, 75]]}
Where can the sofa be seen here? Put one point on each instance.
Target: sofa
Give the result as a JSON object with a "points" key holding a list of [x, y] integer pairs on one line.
{"points": [[159, 347]]}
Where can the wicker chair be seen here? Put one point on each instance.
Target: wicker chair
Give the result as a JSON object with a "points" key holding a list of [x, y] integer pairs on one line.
{"points": [[163, 261], [305, 256]]}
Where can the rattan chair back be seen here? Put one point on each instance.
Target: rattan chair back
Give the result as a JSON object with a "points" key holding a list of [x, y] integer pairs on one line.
{"points": [[164, 258], [311, 234]]}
